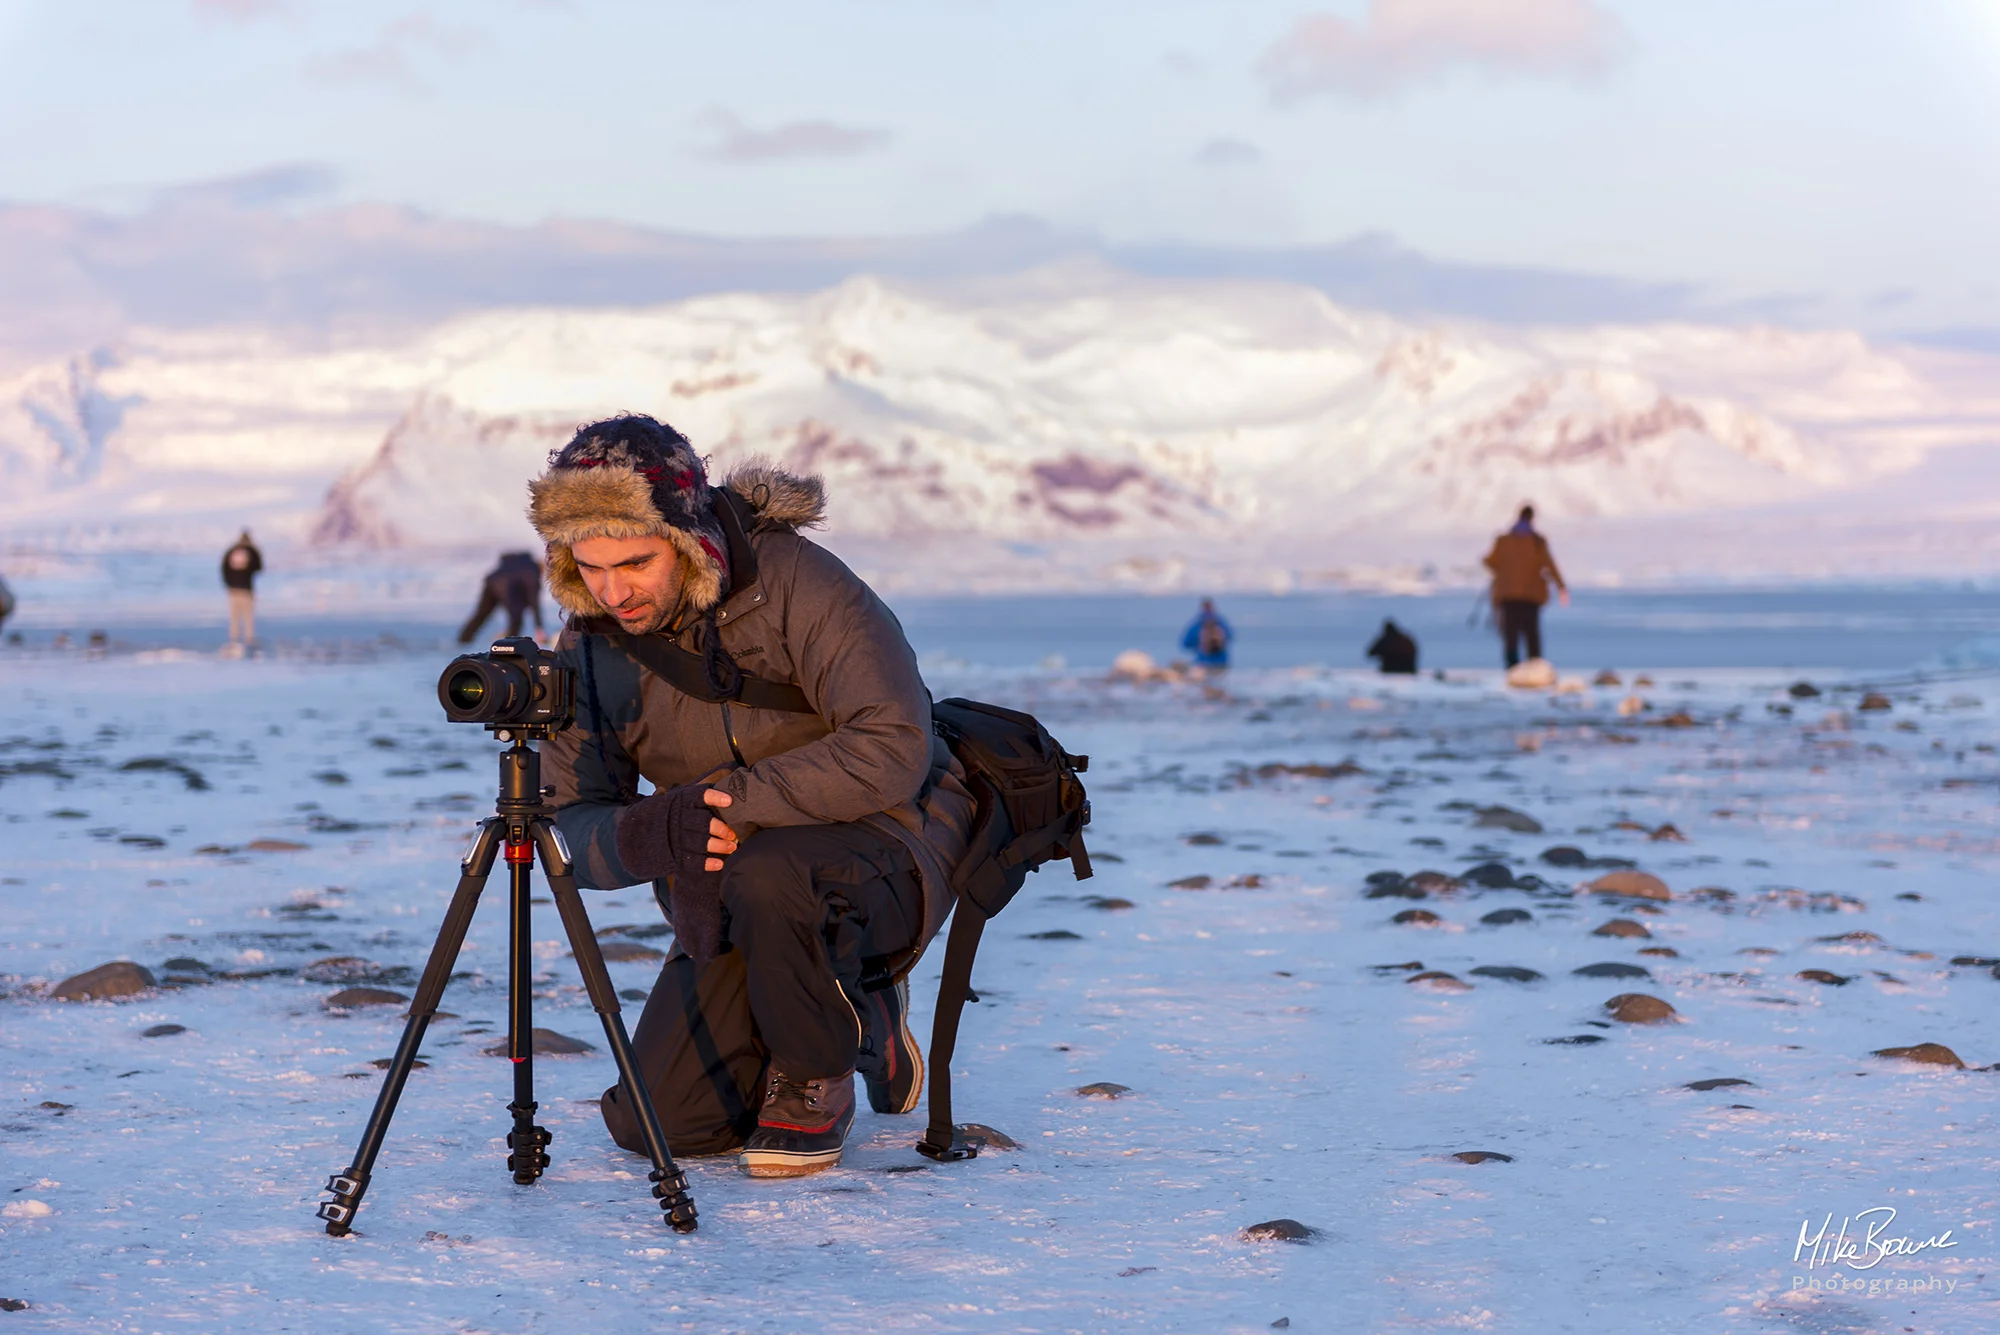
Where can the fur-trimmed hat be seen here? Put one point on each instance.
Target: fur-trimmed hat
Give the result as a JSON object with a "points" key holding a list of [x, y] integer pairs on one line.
{"points": [[622, 478], [628, 477]]}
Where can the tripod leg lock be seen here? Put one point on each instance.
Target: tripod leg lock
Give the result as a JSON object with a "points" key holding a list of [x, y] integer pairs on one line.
{"points": [[339, 1212], [670, 1189]]}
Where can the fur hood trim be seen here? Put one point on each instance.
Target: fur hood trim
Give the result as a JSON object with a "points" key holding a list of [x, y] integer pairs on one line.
{"points": [[572, 505], [779, 499]]}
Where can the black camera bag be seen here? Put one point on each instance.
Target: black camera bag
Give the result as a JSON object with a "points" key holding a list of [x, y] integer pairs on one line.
{"points": [[1031, 809]]}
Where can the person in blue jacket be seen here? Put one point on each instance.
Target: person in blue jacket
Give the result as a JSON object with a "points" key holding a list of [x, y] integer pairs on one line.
{"points": [[1208, 637]]}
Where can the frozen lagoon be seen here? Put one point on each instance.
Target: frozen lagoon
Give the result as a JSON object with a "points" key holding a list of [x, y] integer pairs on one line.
{"points": [[169, 603], [1274, 1070]]}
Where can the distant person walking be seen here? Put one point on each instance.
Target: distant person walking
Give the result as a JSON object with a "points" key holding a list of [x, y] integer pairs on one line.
{"points": [[1522, 569], [515, 584], [6, 602], [1208, 637], [1394, 650], [240, 566]]}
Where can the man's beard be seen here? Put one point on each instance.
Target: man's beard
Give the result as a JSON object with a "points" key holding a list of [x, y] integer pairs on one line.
{"points": [[657, 618]]}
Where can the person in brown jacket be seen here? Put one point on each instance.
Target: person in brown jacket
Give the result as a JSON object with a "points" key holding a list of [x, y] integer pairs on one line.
{"points": [[1522, 569], [802, 858]]}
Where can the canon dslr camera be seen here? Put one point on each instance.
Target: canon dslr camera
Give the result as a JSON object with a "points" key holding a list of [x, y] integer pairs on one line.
{"points": [[514, 684]]}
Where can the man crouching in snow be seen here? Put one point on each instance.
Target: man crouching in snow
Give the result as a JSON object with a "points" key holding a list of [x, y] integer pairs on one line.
{"points": [[800, 852]]}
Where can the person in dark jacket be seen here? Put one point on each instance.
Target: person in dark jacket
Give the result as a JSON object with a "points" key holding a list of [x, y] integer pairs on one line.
{"points": [[240, 567], [1208, 637], [1522, 570], [1393, 649], [515, 584], [802, 858]]}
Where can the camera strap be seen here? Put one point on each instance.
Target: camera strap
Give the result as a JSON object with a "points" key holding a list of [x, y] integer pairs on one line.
{"points": [[684, 672]]}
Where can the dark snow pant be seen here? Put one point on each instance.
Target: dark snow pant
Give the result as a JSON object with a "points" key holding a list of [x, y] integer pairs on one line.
{"points": [[1521, 621], [808, 911]]}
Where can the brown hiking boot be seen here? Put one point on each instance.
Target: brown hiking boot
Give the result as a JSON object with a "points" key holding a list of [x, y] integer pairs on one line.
{"points": [[802, 1127]]}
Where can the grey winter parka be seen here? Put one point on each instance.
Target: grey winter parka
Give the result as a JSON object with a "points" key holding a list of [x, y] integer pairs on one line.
{"points": [[794, 613]]}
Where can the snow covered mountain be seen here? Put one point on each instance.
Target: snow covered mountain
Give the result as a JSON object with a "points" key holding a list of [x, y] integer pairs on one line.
{"points": [[1071, 425]]}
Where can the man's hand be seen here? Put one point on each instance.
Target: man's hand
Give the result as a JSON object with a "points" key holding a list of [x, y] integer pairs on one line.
{"points": [[675, 831], [676, 835], [721, 839]]}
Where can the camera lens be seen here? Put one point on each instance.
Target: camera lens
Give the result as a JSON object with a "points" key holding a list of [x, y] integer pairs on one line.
{"points": [[465, 690], [475, 689]]}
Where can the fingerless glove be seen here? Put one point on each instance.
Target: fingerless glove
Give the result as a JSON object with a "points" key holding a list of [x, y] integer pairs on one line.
{"points": [[666, 836]]}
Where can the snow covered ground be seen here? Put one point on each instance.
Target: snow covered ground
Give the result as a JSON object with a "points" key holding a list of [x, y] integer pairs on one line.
{"points": [[1274, 1068]]}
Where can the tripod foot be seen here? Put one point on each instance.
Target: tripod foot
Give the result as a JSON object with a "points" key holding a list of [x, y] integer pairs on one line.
{"points": [[530, 1145], [670, 1188], [347, 1188]]}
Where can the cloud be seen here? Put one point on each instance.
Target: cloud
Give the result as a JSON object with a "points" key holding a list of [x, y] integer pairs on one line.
{"points": [[266, 188], [74, 278], [733, 141], [1403, 42], [1228, 153], [391, 60]]}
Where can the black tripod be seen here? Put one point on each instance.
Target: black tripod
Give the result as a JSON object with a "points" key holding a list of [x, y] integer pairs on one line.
{"points": [[520, 825]]}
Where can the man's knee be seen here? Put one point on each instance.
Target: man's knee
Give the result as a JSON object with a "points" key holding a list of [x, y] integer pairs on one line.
{"points": [[621, 1121], [771, 875], [691, 1128], [699, 1056]]}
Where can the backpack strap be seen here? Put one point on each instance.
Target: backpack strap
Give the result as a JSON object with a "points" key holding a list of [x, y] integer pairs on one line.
{"points": [[1069, 834], [684, 672], [942, 1141]]}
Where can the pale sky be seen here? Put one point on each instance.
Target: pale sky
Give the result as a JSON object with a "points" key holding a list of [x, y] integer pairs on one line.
{"points": [[1847, 150]]}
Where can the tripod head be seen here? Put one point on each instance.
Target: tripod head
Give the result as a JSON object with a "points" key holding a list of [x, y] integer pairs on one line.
{"points": [[520, 734], [521, 792]]}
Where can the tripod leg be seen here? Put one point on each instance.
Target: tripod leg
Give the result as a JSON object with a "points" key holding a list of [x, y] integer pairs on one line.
{"points": [[347, 1187], [527, 1142], [669, 1182]]}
